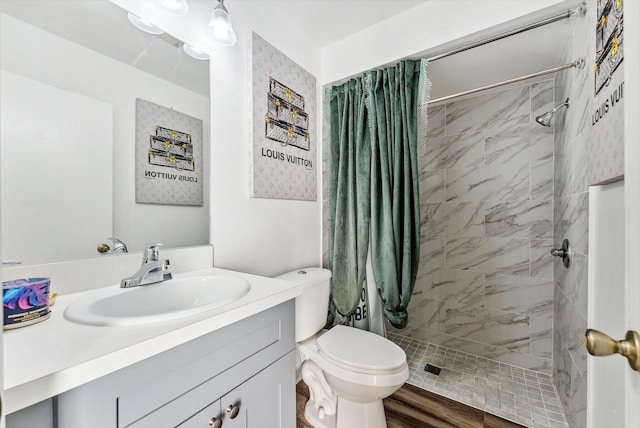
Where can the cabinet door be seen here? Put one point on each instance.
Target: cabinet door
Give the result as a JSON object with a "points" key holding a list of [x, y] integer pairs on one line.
{"points": [[38, 415], [265, 400], [208, 417]]}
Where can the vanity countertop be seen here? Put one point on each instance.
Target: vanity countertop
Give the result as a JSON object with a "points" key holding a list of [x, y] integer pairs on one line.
{"points": [[48, 358]]}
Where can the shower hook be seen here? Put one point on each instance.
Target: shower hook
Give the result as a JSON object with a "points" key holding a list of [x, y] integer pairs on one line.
{"points": [[563, 252]]}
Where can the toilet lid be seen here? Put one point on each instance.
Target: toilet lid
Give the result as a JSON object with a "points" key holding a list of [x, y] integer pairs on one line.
{"points": [[361, 350]]}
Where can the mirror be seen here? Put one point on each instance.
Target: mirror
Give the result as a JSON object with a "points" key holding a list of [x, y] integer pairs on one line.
{"points": [[71, 74]]}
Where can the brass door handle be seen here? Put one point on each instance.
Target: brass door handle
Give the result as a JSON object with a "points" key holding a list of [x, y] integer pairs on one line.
{"points": [[600, 345]]}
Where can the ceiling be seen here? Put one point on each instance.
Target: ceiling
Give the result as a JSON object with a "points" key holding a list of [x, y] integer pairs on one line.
{"points": [[327, 21], [324, 21]]}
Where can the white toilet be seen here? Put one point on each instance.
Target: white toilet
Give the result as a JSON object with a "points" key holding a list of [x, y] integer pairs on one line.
{"points": [[348, 371]]}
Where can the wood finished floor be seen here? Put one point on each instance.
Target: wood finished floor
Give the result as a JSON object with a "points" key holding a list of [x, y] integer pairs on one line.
{"points": [[411, 406]]}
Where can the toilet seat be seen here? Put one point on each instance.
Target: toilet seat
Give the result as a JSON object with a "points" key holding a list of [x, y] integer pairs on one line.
{"points": [[361, 351]]}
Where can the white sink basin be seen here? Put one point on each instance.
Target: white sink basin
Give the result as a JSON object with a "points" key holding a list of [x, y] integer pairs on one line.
{"points": [[163, 301]]}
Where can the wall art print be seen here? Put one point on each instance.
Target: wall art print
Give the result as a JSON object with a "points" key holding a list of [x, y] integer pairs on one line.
{"points": [[168, 156], [283, 147], [609, 37], [606, 151]]}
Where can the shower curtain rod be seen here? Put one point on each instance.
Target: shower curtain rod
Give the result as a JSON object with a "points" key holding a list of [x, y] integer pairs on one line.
{"points": [[578, 63], [580, 10]]}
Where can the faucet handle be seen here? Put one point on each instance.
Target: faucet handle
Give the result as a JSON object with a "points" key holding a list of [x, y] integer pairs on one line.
{"points": [[151, 254]]}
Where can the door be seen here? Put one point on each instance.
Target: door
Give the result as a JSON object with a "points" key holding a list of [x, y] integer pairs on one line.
{"points": [[614, 300], [632, 202], [606, 301]]}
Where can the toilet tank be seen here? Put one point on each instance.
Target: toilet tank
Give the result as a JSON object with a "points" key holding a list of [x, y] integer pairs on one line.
{"points": [[313, 304]]}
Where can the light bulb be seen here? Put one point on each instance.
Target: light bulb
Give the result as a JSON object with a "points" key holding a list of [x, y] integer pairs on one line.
{"points": [[220, 24], [221, 27]]}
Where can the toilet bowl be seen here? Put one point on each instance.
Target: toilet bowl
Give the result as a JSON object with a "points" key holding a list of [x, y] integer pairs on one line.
{"points": [[349, 371]]}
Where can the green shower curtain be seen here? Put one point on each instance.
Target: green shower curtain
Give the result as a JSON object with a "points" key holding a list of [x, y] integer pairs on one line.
{"points": [[374, 187], [395, 196], [349, 201]]}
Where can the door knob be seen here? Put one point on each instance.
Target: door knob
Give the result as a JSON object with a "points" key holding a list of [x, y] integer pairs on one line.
{"points": [[215, 423], [600, 345]]}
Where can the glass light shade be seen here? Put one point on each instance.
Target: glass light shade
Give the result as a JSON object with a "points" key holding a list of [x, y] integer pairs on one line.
{"points": [[173, 7], [143, 25], [194, 53], [221, 27]]}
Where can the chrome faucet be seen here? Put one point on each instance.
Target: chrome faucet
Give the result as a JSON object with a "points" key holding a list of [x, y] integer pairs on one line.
{"points": [[153, 269], [112, 246]]}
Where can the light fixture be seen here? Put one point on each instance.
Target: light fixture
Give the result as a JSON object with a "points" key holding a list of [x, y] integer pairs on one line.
{"points": [[194, 53], [173, 7], [546, 118], [221, 27], [143, 25]]}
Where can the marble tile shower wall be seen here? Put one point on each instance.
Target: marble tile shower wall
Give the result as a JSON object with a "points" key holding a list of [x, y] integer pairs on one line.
{"points": [[485, 283], [571, 221]]}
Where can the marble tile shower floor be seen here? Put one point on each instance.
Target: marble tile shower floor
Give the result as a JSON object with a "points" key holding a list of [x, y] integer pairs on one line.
{"points": [[513, 393]]}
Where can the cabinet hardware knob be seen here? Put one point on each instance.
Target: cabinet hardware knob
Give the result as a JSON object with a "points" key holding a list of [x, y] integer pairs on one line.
{"points": [[599, 344], [215, 423], [233, 410]]}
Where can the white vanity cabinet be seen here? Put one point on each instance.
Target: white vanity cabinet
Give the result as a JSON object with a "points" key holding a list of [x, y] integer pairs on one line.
{"points": [[249, 364]]}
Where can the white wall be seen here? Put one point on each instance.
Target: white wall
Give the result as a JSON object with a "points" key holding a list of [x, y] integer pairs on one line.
{"points": [[259, 235], [429, 26], [69, 66]]}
